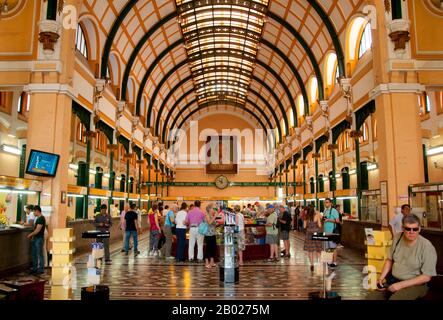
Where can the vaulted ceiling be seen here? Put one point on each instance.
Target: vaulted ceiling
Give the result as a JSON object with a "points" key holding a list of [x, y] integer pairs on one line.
{"points": [[254, 56]]}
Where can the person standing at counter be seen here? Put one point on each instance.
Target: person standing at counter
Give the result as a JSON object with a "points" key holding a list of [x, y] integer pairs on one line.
{"points": [[30, 217], [395, 225], [37, 239], [103, 222]]}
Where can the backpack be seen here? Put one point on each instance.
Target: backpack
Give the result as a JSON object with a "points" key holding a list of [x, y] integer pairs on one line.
{"points": [[337, 226], [289, 222], [277, 223]]}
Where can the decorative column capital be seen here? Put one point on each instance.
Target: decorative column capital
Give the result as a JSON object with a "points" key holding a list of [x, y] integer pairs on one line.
{"points": [[324, 105], [49, 35], [309, 123], [399, 33], [121, 105], [112, 146]]}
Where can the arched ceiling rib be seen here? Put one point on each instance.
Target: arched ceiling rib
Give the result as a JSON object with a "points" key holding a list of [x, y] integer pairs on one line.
{"points": [[215, 47], [259, 109], [232, 103], [183, 63], [220, 68], [134, 24]]}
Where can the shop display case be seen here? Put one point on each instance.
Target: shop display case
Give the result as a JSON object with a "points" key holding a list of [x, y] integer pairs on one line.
{"points": [[371, 206], [426, 201], [229, 271]]}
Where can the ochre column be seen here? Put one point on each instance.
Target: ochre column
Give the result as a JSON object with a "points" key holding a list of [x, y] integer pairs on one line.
{"points": [[397, 112], [49, 130]]}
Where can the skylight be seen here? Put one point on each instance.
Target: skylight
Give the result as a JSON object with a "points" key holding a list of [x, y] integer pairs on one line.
{"points": [[221, 39]]}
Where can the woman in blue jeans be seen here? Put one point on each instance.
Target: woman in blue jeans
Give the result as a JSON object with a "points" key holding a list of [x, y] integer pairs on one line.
{"points": [[180, 232]]}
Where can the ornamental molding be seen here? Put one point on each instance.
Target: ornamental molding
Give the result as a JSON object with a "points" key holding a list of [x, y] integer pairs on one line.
{"points": [[388, 88]]}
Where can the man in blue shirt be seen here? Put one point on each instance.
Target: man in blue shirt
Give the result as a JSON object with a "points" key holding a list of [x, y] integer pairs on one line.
{"points": [[330, 217]]}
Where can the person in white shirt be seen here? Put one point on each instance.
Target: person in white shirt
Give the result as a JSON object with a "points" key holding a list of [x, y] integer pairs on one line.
{"points": [[30, 217], [396, 225], [180, 231], [292, 209], [240, 221]]}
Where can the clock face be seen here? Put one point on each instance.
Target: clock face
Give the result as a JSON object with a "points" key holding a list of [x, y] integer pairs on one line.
{"points": [[222, 182]]}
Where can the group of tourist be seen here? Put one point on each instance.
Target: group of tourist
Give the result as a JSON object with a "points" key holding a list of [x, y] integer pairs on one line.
{"points": [[411, 261], [178, 221]]}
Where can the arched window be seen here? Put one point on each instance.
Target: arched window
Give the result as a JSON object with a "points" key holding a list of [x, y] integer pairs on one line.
{"points": [[374, 130], [291, 118], [337, 74], [80, 42], [424, 104], [325, 153], [331, 69], [80, 135], [313, 94], [100, 142], [24, 103], [300, 106], [365, 133], [122, 153], [344, 142], [365, 41]]}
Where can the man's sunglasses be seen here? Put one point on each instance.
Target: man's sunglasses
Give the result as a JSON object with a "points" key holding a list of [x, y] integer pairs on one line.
{"points": [[411, 229]]}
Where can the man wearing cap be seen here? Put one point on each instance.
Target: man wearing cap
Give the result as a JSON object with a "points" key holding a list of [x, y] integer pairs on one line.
{"points": [[272, 233]]}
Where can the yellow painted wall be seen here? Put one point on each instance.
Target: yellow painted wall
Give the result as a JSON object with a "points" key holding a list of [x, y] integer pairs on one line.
{"points": [[219, 122], [9, 164], [426, 44], [17, 33]]}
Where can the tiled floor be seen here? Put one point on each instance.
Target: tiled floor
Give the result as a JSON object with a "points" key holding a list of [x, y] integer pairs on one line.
{"points": [[152, 278]]}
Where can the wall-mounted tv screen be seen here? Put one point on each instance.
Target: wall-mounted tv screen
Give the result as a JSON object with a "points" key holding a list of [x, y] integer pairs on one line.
{"points": [[42, 163]]}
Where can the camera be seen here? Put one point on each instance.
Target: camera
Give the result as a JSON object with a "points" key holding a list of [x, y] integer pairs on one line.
{"points": [[381, 285]]}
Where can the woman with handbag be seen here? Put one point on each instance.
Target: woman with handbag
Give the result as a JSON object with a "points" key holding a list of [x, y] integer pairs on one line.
{"points": [[210, 240], [167, 230]]}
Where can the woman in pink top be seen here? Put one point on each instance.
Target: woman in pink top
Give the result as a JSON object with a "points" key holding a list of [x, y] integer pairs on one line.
{"points": [[154, 228]]}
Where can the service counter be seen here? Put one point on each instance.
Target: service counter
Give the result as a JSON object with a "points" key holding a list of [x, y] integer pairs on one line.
{"points": [[79, 226], [15, 249], [353, 233]]}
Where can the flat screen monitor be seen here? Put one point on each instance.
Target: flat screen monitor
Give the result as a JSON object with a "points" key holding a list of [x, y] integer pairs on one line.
{"points": [[42, 163]]}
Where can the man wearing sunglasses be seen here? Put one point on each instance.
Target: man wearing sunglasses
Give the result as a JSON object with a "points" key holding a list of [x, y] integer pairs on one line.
{"points": [[410, 265]]}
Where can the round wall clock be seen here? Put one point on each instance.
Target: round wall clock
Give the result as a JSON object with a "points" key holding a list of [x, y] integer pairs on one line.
{"points": [[222, 182]]}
